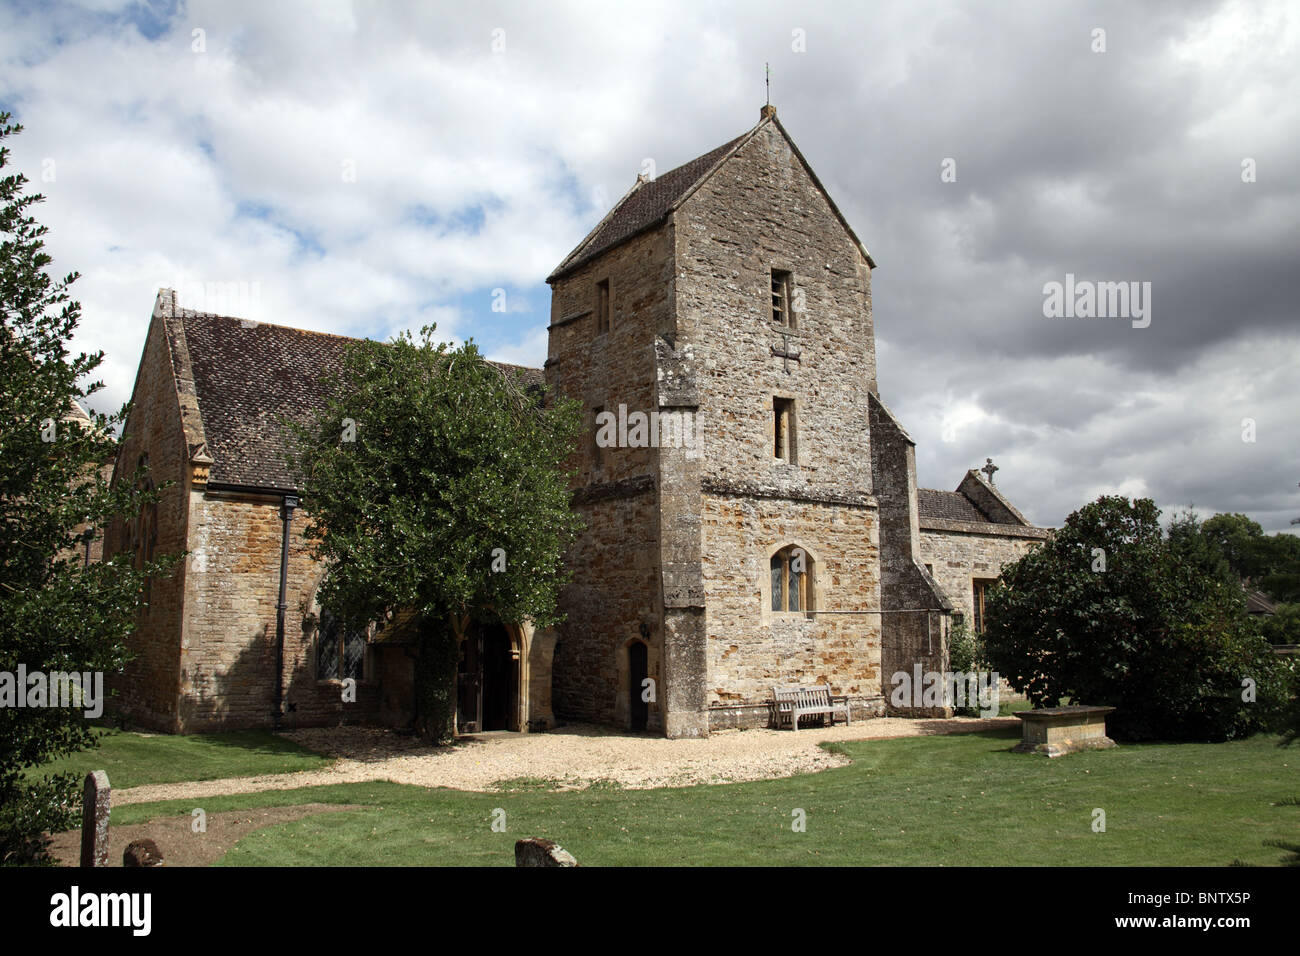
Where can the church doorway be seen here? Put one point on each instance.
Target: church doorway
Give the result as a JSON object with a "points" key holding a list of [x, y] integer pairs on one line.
{"points": [[487, 680], [637, 672]]}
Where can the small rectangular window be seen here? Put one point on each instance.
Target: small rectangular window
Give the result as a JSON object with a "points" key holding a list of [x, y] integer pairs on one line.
{"points": [[602, 306], [783, 428], [597, 453], [781, 312]]}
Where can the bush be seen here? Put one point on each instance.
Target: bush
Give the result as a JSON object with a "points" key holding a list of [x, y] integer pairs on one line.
{"points": [[1109, 612], [966, 653]]}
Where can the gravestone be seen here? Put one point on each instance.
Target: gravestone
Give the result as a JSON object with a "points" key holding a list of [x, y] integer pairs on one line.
{"points": [[94, 819], [538, 852], [1056, 731]]}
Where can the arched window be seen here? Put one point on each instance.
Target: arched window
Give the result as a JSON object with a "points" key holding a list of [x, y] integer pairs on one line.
{"points": [[340, 653], [792, 588]]}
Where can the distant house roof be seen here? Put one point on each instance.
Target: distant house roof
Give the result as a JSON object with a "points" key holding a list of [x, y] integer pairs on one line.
{"points": [[649, 201], [1257, 602], [248, 377]]}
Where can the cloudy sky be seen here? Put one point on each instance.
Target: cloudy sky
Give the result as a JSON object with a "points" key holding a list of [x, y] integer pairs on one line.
{"points": [[367, 167]]}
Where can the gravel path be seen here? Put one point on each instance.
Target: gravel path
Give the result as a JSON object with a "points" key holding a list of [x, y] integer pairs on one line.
{"points": [[570, 758]]}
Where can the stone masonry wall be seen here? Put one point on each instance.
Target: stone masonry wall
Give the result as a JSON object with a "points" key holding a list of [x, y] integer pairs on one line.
{"points": [[916, 618], [615, 594], [750, 647], [227, 664], [608, 600], [146, 693], [959, 557], [762, 211]]}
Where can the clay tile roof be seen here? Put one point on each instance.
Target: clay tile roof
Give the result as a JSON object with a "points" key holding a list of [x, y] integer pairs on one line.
{"points": [[947, 506], [645, 205], [249, 376]]}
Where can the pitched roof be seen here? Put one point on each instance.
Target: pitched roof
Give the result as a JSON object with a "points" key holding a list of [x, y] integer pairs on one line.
{"points": [[650, 201], [947, 506], [248, 377], [976, 506], [645, 205], [1257, 602]]}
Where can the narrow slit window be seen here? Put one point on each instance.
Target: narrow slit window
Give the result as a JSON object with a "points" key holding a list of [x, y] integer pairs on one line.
{"points": [[602, 306], [783, 430]]}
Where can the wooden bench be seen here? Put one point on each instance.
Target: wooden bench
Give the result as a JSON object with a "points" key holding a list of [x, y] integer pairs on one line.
{"points": [[794, 702]]}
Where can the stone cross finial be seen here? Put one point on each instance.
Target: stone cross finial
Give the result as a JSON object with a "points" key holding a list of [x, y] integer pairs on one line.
{"points": [[989, 468]]}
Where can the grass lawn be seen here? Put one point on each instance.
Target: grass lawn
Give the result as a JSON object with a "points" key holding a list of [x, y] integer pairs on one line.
{"points": [[135, 759], [952, 801]]}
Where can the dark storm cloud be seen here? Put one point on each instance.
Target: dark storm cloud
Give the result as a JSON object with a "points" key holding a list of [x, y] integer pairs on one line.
{"points": [[1115, 166]]}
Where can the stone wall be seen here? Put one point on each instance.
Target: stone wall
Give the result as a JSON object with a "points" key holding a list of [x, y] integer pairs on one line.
{"points": [[761, 211], [614, 597], [959, 557], [915, 623], [228, 656], [147, 692], [609, 600], [750, 646]]}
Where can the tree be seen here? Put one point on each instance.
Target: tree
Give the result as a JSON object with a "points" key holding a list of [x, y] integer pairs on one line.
{"points": [[56, 617], [1242, 543], [1283, 627], [434, 482], [1108, 611], [1270, 563]]}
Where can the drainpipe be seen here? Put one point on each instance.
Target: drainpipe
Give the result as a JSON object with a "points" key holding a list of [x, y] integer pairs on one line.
{"points": [[286, 517]]}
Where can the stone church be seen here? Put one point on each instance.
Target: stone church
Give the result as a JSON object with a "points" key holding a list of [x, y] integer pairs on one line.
{"points": [[775, 534]]}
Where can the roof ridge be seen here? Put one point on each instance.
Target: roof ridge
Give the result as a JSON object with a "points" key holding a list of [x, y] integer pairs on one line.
{"points": [[183, 314]]}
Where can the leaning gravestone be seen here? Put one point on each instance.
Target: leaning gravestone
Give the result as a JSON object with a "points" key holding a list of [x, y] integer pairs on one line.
{"points": [[538, 852], [94, 819]]}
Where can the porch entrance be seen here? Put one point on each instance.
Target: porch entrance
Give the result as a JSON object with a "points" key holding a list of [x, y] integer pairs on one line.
{"points": [[487, 680]]}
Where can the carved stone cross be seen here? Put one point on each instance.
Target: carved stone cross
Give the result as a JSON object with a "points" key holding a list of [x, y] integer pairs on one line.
{"points": [[989, 468], [784, 353]]}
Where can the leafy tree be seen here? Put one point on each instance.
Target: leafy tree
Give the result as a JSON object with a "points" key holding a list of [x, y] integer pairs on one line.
{"points": [[434, 482], [1281, 580], [55, 615], [1284, 626], [1242, 543], [1270, 563], [1189, 542], [1108, 611]]}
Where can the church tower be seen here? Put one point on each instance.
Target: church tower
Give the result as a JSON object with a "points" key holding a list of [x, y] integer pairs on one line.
{"points": [[718, 323]]}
